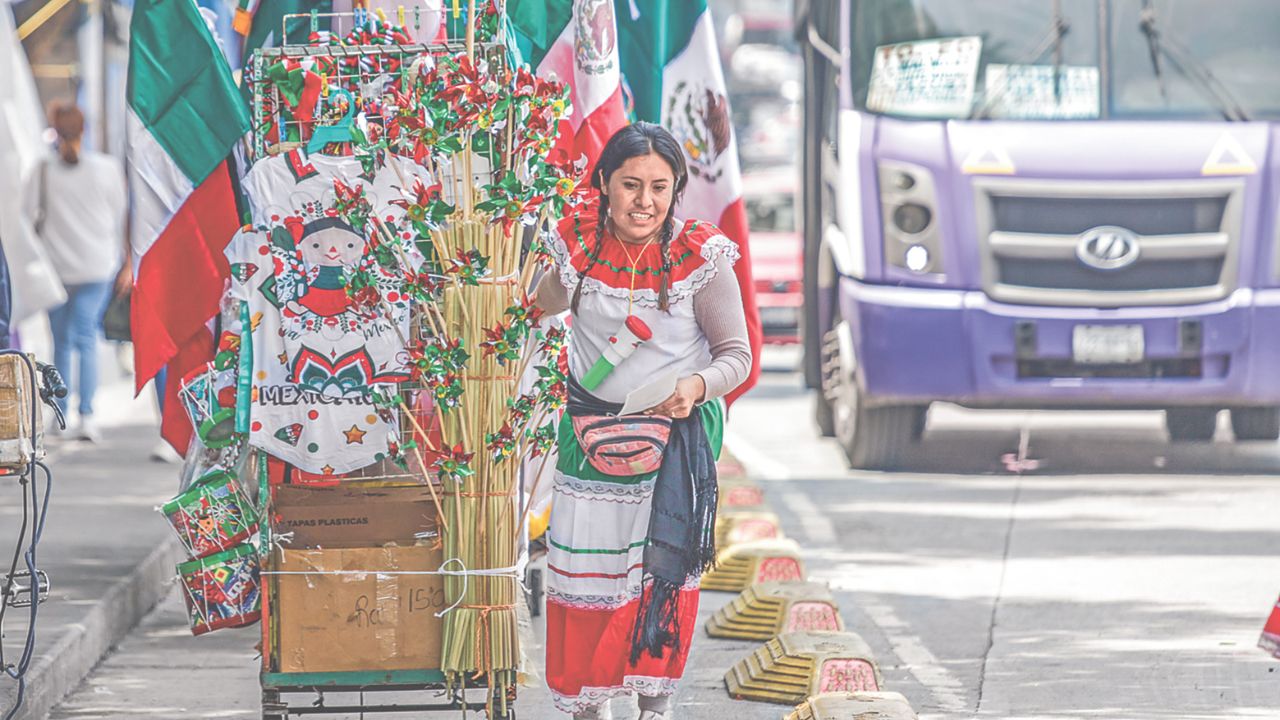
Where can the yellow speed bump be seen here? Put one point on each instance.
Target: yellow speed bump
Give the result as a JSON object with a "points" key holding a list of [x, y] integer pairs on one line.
{"points": [[854, 706], [738, 566], [740, 493], [770, 608], [739, 526], [793, 666]]}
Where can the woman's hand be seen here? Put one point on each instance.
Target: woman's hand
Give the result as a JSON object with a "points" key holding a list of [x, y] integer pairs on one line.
{"points": [[689, 392], [124, 281]]}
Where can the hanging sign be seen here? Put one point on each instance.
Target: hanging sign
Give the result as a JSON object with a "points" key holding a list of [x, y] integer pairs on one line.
{"points": [[1028, 92], [926, 78]]}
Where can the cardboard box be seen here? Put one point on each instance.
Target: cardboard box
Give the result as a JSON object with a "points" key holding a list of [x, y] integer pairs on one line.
{"points": [[347, 517], [357, 622]]}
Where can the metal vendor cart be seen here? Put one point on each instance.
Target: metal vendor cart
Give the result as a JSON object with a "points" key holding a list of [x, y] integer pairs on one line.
{"points": [[419, 689]]}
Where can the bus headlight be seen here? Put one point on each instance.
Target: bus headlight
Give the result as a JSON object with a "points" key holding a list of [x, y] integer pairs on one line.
{"points": [[917, 258], [912, 218], [908, 197]]}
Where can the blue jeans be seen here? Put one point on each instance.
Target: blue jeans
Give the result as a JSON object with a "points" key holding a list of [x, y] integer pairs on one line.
{"points": [[76, 326]]}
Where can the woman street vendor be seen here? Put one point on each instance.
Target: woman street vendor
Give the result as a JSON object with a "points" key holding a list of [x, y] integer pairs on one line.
{"points": [[633, 509]]}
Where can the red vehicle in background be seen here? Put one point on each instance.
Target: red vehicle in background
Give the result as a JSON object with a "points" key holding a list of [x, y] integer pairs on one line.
{"points": [[777, 252]]}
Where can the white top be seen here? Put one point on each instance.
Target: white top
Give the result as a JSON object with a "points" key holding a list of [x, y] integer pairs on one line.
{"points": [[678, 344], [85, 206], [703, 333]]}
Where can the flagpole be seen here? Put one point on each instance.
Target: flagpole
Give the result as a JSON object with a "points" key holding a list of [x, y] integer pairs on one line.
{"points": [[471, 30], [468, 192]]}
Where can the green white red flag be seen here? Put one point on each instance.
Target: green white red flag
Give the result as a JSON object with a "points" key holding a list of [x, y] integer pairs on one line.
{"points": [[184, 116], [576, 42]]}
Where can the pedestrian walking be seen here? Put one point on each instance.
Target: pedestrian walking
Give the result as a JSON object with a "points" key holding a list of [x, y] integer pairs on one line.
{"points": [[77, 203], [633, 508]]}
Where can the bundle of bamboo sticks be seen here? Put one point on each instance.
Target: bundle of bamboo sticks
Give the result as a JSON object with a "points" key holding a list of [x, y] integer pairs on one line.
{"points": [[491, 428]]}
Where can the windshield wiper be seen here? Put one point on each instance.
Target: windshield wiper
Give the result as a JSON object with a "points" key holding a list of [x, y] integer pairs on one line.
{"points": [[1148, 24], [1052, 40], [1060, 29], [1188, 65]]}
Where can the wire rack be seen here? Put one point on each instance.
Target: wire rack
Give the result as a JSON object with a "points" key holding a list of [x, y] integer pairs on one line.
{"points": [[364, 71]]}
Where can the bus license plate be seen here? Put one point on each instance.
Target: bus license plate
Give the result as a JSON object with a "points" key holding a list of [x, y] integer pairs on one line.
{"points": [[1107, 344]]}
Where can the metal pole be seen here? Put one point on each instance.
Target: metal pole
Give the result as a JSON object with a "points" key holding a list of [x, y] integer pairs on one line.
{"points": [[90, 42]]}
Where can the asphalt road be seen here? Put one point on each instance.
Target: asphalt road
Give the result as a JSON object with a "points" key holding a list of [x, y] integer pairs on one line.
{"points": [[1125, 578]]}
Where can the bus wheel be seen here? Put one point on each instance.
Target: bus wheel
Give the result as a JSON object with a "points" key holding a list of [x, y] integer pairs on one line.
{"points": [[872, 438], [1256, 423], [829, 369], [1191, 424]]}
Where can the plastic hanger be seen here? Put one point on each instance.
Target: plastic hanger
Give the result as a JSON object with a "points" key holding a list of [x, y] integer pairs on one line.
{"points": [[339, 132]]}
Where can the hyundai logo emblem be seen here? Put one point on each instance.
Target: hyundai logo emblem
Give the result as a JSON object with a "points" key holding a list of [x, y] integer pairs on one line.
{"points": [[1108, 247]]}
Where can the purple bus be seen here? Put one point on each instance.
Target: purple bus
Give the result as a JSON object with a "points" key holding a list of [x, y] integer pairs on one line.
{"points": [[1040, 204]]}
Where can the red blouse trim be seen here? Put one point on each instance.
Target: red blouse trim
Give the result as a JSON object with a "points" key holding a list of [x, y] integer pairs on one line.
{"points": [[612, 265]]}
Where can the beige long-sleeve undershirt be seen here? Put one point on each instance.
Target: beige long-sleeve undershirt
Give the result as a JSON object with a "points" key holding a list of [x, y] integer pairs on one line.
{"points": [[717, 307]]}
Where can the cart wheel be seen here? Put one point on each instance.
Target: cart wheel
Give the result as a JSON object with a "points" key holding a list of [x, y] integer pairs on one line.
{"points": [[272, 707]]}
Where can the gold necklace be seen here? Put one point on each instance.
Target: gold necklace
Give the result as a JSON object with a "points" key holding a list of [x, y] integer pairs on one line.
{"points": [[631, 291]]}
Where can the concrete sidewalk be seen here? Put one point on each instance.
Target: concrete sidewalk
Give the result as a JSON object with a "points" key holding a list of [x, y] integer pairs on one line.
{"points": [[160, 671], [110, 557]]}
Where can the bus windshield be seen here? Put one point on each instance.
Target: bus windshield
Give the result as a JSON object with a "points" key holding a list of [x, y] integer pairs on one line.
{"points": [[1211, 55], [1016, 59]]}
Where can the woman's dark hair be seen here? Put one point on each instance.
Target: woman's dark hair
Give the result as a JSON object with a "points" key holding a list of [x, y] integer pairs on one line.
{"points": [[638, 140]]}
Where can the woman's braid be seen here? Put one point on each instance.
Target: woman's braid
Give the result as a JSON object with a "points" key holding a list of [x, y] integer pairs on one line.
{"points": [[593, 258], [668, 232]]}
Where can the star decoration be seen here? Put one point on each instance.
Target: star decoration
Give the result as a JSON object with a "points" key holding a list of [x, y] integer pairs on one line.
{"points": [[355, 435]]}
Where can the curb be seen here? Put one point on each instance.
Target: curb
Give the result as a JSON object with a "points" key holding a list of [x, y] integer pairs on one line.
{"points": [[755, 464], [56, 673]]}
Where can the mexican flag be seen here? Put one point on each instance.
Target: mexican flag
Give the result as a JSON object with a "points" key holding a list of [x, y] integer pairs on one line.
{"points": [[577, 42], [672, 69], [184, 116]]}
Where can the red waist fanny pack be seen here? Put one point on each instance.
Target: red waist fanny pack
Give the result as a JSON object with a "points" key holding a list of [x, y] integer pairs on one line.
{"points": [[620, 445]]}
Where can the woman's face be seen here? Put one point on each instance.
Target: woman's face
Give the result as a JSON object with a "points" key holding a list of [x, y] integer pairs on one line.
{"points": [[640, 193]]}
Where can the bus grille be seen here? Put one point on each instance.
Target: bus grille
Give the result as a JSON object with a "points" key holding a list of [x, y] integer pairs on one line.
{"points": [[1188, 233]]}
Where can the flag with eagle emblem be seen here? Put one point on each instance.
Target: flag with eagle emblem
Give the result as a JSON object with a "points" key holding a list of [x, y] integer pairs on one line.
{"points": [[576, 41]]}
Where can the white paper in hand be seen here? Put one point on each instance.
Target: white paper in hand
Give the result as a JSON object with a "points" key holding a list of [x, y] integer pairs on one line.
{"points": [[649, 394]]}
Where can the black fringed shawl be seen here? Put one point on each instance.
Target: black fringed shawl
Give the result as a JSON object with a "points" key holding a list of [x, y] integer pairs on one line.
{"points": [[682, 524]]}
